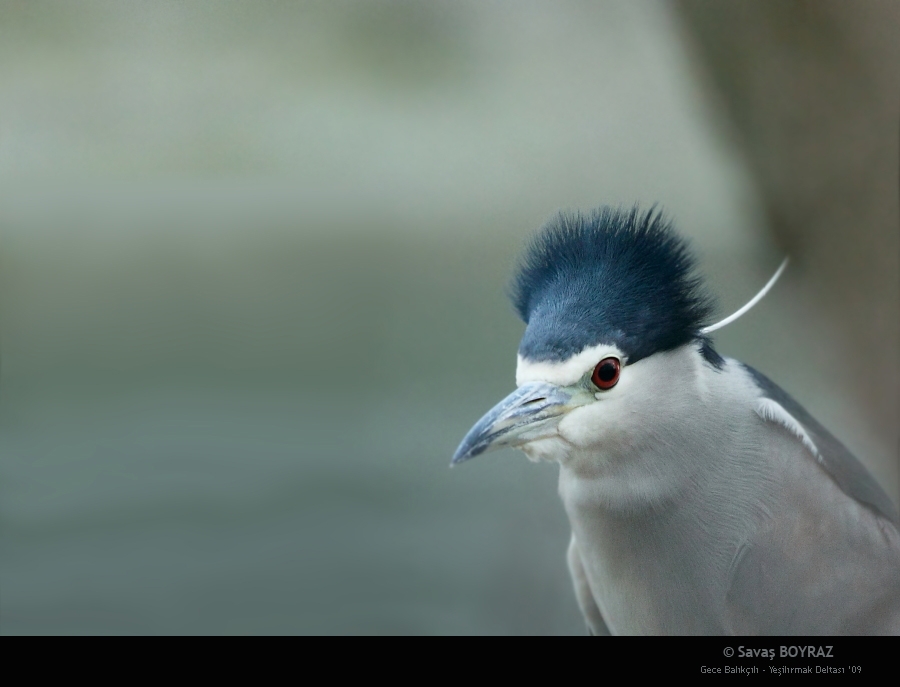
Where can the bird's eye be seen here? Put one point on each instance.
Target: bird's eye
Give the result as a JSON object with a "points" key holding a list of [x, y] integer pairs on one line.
{"points": [[606, 374]]}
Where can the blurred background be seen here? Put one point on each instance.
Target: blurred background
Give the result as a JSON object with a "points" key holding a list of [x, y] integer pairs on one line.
{"points": [[253, 258]]}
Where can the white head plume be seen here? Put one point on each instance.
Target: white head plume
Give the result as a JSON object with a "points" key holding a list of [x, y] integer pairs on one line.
{"points": [[753, 301]]}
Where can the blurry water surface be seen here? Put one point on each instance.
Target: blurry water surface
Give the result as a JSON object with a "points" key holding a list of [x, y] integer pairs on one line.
{"points": [[194, 439]]}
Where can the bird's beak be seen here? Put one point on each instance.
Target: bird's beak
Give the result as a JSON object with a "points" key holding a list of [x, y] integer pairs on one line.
{"points": [[525, 415]]}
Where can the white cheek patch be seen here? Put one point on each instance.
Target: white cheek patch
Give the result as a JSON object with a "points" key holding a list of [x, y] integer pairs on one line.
{"points": [[772, 411], [566, 372]]}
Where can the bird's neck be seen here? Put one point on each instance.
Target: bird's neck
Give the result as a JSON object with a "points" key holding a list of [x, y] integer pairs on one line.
{"points": [[658, 511]]}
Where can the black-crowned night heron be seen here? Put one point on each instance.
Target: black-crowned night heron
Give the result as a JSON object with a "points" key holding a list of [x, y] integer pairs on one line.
{"points": [[702, 498]]}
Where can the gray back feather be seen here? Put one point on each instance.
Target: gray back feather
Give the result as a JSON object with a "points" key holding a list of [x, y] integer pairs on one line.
{"points": [[849, 474]]}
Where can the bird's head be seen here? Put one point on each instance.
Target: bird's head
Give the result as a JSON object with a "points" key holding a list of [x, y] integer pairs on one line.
{"points": [[614, 343]]}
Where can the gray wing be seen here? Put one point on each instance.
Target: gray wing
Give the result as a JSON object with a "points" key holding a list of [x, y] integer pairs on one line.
{"points": [[849, 474], [793, 578], [589, 609], [815, 566]]}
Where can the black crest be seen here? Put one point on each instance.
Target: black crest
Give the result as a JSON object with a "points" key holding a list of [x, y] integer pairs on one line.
{"points": [[621, 277]]}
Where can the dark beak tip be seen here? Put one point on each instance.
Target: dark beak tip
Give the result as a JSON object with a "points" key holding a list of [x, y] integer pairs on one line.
{"points": [[467, 451], [462, 457]]}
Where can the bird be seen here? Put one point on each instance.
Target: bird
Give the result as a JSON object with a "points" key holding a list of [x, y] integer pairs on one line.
{"points": [[702, 498]]}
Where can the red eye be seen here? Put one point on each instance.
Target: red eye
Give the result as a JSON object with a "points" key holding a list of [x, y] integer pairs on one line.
{"points": [[606, 374]]}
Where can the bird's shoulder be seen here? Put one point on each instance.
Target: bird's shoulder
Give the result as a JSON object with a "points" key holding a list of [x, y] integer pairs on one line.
{"points": [[824, 557], [848, 473]]}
